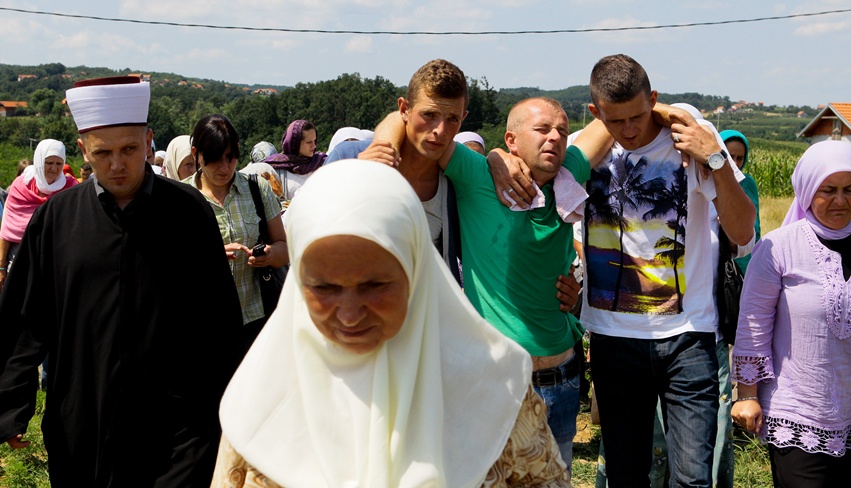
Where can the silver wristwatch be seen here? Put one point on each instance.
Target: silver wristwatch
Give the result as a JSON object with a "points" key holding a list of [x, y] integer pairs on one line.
{"points": [[717, 160]]}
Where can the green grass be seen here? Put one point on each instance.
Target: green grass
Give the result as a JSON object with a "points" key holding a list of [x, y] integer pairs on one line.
{"points": [[27, 467], [772, 211], [9, 157], [752, 467]]}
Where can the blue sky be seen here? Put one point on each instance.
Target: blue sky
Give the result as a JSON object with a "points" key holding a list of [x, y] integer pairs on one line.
{"points": [[800, 61]]}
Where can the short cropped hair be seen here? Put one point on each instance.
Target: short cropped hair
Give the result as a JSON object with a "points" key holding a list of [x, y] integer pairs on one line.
{"points": [[617, 79], [438, 78], [516, 117], [212, 136]]}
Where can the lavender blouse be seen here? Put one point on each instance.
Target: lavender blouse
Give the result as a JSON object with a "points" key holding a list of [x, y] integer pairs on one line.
{"points": [[794, 339]]}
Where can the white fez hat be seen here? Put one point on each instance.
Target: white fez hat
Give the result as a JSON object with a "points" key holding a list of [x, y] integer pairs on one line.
{"points": [[104, 102]]}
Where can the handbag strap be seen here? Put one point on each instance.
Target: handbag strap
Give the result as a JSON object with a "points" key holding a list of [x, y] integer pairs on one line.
{"points": [[724, 253], [258, 207]]}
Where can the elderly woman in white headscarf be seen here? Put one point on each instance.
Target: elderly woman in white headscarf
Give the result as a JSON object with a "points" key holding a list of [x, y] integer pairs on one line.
{"points": [[35, 185], [179, 163], [375, 370]]}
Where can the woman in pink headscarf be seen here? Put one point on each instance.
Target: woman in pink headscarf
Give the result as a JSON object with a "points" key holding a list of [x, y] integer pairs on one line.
{"points": [[298, 158], [35, 185], [792, 357]]}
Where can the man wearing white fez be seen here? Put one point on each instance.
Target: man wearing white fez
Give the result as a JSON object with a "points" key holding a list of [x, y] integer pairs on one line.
{"points": [[137, 368]]}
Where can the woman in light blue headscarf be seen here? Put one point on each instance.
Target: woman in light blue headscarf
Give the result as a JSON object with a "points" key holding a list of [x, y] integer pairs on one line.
{"points": [[738, 147]]}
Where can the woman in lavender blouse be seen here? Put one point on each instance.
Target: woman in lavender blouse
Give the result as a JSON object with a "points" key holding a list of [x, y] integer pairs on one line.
{"points": [[792, 357]]}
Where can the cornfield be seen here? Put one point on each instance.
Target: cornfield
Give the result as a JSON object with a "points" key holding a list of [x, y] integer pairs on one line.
{"points": [[771, 164]]}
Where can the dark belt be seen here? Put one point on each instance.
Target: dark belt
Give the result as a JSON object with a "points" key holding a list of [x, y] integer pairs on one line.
{"points": [[558, 374]]}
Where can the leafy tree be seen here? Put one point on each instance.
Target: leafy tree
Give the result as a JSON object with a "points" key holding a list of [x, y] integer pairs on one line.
{"points": [[201, 109], [62, 129], [19, 130], [53, 69], [255, 119], [482, 106], [167, 119], [43, 101]]}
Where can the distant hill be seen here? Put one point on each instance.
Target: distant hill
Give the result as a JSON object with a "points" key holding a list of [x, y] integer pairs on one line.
{"points": [[18, 82], [58, 77], [262, 112]]}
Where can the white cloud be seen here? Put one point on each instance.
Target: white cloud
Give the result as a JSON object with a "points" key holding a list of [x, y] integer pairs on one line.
{"points": [[819, 28], [217, 55], [278, 42], [100, 44], [360, 45], [78, 40]]}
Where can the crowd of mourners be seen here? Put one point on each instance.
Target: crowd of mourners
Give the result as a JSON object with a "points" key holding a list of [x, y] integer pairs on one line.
{"points": [[405, 309]]}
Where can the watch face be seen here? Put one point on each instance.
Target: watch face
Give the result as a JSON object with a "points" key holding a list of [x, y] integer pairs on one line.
{"points": [[716, 161]]}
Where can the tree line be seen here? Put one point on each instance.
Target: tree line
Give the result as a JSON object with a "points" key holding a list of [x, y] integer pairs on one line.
{"points": [[349, 100]]}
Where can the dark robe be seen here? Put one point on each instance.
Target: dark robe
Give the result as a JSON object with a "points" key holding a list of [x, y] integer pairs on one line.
{"points": [[139, 313]]}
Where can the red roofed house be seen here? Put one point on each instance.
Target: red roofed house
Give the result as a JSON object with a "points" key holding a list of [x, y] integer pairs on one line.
{"points": [[27, 77], [7, 109], [831, 123], [266, 91]]}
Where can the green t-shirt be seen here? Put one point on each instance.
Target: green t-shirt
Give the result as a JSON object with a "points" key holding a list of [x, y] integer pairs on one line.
{"points": [[512, 259]]}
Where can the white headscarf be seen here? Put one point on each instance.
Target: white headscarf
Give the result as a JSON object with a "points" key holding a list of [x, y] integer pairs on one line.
{"points": [[345, 134], [261, 151], [433, 406], [45, 149], [175, 153], [465, 137]]}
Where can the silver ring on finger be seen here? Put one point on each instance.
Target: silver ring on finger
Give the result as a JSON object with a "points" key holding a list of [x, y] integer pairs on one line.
{"points": [[676, 137], [511, 190]]}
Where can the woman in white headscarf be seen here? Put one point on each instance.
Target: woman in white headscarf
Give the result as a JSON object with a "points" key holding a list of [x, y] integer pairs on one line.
{"points": [[35, 185], [374, 370], [179, 163]]}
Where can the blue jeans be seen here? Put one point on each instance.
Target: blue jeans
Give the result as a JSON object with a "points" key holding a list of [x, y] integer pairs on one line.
{"points": [[562, 408], [630, 377], [722, 465]]}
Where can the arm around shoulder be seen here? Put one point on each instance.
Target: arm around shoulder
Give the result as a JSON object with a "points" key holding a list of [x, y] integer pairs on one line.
{"points": [[392, 130], [595, 141]]}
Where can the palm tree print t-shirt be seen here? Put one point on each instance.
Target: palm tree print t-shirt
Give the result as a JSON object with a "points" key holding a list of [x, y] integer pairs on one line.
{"points": [[648, 267]]}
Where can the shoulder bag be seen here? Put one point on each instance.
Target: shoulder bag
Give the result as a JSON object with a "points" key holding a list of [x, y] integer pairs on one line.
{"points": [[728, 290], [271, 279]]}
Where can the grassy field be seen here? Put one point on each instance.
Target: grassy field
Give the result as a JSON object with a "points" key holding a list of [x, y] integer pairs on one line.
{"points": [[26, 468], [772, 211], [752, 468]]}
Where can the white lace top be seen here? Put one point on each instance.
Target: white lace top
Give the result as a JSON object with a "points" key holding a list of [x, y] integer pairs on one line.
{"points": [[794, 339]]}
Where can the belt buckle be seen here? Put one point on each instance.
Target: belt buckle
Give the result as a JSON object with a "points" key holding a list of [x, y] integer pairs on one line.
{"points": [[550, 373]]}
